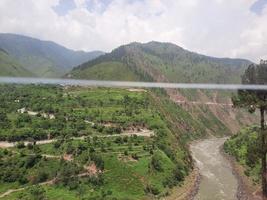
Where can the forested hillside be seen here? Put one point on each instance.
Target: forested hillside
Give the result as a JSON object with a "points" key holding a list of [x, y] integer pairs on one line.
{"points": [[100, 143], [166, 62], [43, 58], [161, 62], [9, 66]]}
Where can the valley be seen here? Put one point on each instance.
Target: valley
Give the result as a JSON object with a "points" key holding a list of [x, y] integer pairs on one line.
{"points": [[64, 141], [133, 100], [126, 139], [95, 131]]}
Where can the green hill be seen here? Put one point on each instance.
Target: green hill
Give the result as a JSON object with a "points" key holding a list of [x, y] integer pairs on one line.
{"points": [[163, 62], [43, 58], [166, 62], [112, 70], [10, 67]]}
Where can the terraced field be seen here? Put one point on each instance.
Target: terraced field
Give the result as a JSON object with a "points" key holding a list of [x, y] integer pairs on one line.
{"points": [[100, 144]]}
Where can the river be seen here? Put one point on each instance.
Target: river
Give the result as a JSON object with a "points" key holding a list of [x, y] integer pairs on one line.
{"points": [[217, 181]]}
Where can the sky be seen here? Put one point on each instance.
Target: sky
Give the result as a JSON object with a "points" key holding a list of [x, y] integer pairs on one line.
{"points": [[221, 28]]}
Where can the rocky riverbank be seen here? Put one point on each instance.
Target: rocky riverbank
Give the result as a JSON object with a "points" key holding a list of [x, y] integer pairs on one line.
{"points": [[189, 189]]}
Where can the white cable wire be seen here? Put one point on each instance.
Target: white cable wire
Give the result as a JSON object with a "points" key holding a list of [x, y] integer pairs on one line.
{"points": [[78, 82]]}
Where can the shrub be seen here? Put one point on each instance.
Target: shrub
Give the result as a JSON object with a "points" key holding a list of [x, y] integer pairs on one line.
{"points": [[20, 145], [99, 162], [57, 144], [37, 193], [31, 160], [152, 190], [30, 146], [156, 163]]}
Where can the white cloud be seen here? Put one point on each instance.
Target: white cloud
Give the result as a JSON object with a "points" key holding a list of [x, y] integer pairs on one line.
{"points": [[223, 28]]}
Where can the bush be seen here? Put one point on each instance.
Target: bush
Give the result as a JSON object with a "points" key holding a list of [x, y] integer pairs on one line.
{"points": [[57, 144], [30, 146], [23, 180], [70, 149], [167, 150], [37, 193], [118, 140], [20, 145], [31, 160], [4, 121], [99, 162], [96, 180], [67, 173], [179, 173], [152, 190], [42, 176], [156, 163]]}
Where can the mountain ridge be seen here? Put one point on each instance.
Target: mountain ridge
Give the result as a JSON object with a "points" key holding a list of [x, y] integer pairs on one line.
{"points": [[166, 59], [165, 62], [43, 58]]}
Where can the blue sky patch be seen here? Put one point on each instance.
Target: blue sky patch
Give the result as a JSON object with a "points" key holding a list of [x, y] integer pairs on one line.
{"points": [[100, 6], [258, 6], [64, 7]]}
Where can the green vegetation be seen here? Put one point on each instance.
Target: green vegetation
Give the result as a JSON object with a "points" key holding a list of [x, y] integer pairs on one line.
{"points": [[42, 58], [252, 100], [115, 71], [245, 147], [106, 163], [166, 62], [153, 60], [76, 112], [10, 67]]}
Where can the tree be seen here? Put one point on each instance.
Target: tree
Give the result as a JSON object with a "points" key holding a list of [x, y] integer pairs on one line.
{"points": [[37, 193], [256, 99], [3, 120], [156, 163], [126, 100], [98, 160], [67, 174]]}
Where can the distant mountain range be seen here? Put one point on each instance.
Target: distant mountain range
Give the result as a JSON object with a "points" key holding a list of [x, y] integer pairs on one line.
{"points": [[42, 58], [155, 61]]}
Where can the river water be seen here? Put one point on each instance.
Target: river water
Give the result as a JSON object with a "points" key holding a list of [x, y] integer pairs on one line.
{"points": [[217, 181]]}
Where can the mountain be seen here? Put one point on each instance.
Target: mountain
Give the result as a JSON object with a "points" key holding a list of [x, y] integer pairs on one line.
{"points": [[166, 62], [43, 58], [161, 62], [10, 67]]}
